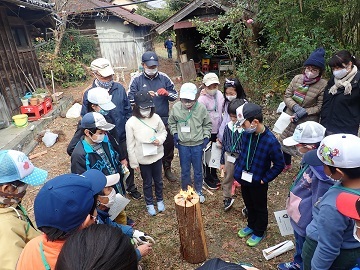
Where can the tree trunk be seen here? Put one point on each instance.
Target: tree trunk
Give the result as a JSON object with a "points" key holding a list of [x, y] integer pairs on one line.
{"points": [[191, 229], [59, 34]]}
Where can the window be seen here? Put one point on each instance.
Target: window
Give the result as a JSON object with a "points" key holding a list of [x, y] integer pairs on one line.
{"points": [[20, 37]]}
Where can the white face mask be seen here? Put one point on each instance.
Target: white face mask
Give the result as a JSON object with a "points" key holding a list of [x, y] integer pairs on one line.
{"points": [[311, 75], [354, 232], [151, 72], [99, 138], [145, 112], [211, 92], [111, 198], [341, 73], [230, 98]]}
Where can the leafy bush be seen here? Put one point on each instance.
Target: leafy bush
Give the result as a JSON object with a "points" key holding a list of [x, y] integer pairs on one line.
{"points": [[76, 53]]}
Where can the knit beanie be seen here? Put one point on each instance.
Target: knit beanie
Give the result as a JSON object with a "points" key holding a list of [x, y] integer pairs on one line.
{"points": [[316, 58]]}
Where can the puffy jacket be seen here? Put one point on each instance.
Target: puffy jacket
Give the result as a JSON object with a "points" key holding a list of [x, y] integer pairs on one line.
{"points": [[197, 118], [117, 116], [142, 82], [214, 105], [341, 113]]}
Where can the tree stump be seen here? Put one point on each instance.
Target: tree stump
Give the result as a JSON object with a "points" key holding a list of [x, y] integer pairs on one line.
{"points": [[191, 229]]}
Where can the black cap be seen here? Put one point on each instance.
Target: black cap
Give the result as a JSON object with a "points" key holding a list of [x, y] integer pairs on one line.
{"points": [[150, 59], [144, 100]]}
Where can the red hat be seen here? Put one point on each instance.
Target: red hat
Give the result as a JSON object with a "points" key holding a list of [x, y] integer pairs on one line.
{"points": [[349, 205]]}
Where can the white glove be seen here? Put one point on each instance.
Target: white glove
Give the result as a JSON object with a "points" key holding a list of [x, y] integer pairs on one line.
{"points": [[142, 238]]}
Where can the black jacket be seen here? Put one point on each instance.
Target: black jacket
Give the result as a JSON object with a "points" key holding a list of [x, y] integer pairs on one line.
{"points": [[341, 113]]}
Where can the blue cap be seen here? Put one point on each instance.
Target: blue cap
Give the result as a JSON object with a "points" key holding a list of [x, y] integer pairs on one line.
{"points": [[65, 201], [316, 58], [150, 59], [15, 165]]}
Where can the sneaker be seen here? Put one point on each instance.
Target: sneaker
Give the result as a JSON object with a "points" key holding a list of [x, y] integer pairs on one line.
{"points": [[130, 222], [254, 240], [287, 168], [201, 197], [135, 194], [228, 202], [151, 210], [244, 212], [288, 266], [245, 232], [161, 206], [210, 183], [170, 175]]}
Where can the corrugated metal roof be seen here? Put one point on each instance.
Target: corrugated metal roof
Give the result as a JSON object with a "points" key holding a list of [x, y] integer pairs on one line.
{"points": [[89, 6], [32, 4]]}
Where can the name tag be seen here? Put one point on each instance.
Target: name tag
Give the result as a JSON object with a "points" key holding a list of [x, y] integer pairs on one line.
{"points": [[185, 129], [231, 159], [247, 176]]}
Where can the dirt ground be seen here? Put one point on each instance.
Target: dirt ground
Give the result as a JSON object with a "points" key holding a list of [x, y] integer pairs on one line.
{"points": [[220, 227]]}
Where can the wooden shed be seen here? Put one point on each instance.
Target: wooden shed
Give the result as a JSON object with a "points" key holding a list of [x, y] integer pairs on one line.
{"points": [[187, 36], [20, 22], [122, 35]]}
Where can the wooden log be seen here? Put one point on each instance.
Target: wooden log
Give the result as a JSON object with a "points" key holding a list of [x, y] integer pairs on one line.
{"points": [[191, 229], [37, 154]]}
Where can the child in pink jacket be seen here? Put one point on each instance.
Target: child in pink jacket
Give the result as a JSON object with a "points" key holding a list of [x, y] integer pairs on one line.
{"points": [[213, 100]]}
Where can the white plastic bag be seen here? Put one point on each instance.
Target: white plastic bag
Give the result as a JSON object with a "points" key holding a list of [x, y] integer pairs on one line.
{"points": [[49, 138], [282, 123], [281, 107], [74, 111]]}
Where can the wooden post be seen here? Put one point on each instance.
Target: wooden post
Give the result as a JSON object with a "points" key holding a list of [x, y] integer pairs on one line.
{"points": [[191, 229]]}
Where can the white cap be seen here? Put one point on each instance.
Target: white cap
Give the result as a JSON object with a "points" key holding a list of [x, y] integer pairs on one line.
{"points": [[112, 179], [210, 78], [102, 66], [337, 150], [307, 132], [95, 120], [100, 96], [188, 91]]}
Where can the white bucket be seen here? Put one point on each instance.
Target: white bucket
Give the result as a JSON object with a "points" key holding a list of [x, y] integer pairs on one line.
{"points": [[25, 102], [282, 123]]}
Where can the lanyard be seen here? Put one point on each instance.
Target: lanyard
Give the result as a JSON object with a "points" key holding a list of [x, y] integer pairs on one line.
{"points": [[189, 115], [215, 104], [248, 153], [43, 258], [233, 144], [354, 191], [147, 125]]}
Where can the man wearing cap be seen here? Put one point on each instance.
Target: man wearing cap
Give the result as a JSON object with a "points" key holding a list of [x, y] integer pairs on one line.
{"points": [[162, 89], [330, 243], [16, 173], [310, 184], [260, 161], [63, 205], [103, 73]]}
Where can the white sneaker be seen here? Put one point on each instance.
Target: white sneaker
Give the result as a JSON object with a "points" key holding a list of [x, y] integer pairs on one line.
{"points": [[151, 210], [161, 206], [201, 197]]}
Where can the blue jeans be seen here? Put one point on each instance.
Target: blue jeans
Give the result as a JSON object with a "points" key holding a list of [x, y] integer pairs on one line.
{"points": [[191, 155], [169, 51], [149, 173], [299, 242]]}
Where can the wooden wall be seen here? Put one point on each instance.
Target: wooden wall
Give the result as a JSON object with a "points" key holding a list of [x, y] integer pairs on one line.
{"points": [[14, 59]]}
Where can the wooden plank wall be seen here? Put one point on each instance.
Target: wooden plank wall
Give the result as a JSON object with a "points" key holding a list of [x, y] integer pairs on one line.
{"points": [[12, 80]]}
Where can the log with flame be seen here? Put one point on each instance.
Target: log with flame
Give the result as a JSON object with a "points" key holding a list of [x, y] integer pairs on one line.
{"points": [[187, 197]]}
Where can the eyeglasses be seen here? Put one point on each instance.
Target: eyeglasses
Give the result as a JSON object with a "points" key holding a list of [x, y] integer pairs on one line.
{"points": [[312, 69], [16, 184]]}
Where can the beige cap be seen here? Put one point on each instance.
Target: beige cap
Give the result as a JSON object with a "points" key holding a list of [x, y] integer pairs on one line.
{"points": [[102, 66], [210, 78]]}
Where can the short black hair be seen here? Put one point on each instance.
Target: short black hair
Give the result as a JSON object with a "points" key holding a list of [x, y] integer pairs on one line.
{"points": [[92, 130], [136, 111], [352, 173], [259, 117], [343, 57], [234, 82], [98, 247], [234, 104]]}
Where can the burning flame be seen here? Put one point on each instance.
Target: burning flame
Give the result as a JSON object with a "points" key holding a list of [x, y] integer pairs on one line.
{"points": [[187, 194]]}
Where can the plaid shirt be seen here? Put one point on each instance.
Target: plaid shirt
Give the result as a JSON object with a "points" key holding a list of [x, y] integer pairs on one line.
{"points": [[267, 151], [231, 142]]}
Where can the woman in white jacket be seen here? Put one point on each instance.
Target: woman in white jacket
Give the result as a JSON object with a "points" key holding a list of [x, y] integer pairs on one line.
{"points": [[145, 135]]}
